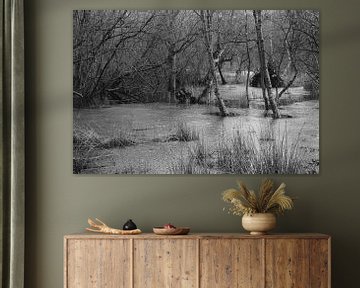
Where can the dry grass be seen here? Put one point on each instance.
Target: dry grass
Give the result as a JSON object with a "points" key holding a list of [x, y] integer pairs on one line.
{"points": [[268, 152], [267, 200], [189, 165], [90, 148], [134, 169], [85, 145], [271, 152], [184, 133], [265, 152]]}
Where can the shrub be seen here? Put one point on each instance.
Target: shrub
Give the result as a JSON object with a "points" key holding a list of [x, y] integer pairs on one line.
{"points": [[90, 149], [120, 138], [85, 143], [184, 133]]}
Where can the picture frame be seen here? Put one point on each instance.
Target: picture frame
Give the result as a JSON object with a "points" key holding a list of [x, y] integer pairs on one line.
{"points": [[216, 91]]}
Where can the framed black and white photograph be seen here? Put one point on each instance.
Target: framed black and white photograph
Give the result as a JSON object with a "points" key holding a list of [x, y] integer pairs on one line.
{"points": [[196, 91]]}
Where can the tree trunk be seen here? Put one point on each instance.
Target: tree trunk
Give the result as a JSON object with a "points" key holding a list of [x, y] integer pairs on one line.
{"points": [[207, 90], [206, 20], [248, 60], [263, 90], [263, 65], [262, 72], [220, 64], [291, 68], [172, 14], [172, 75], [288, 85]]}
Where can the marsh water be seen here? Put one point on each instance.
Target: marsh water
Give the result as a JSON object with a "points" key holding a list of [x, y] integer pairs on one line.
{"points": [[150, 125]]}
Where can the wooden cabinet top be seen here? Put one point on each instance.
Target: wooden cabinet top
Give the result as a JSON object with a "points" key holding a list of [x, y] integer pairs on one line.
{"points": [[199, 236]]}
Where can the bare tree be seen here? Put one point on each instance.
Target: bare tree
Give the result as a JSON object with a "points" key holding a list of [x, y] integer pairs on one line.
{"points": [[306, 23], [148, 56], [284, 47], [206, 18], [248, 59], [263, 65], [290, 43], [98, 39], [171, 43], [180, 32], [219, 54]]}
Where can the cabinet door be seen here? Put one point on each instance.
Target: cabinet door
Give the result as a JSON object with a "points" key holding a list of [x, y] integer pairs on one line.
{"points": [[231, 263], [98, 263], [287, 263], [320, 263], [164, 263]]}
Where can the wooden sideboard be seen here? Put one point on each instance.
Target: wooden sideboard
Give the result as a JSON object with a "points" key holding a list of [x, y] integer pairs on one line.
{"points": [[197, 260]]}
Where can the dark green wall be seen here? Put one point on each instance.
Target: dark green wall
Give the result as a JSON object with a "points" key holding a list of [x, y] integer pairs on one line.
{"points": [[59, 203]]}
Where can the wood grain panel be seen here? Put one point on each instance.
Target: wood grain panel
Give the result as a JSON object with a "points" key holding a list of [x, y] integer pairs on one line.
{"points": [[166, 263], [319, 263], [287, 263], [231, 263], [98, 264], [197, 260]]}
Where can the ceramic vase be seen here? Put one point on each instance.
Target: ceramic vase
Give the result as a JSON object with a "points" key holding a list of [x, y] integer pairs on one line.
{"points": [[259, 223]]}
